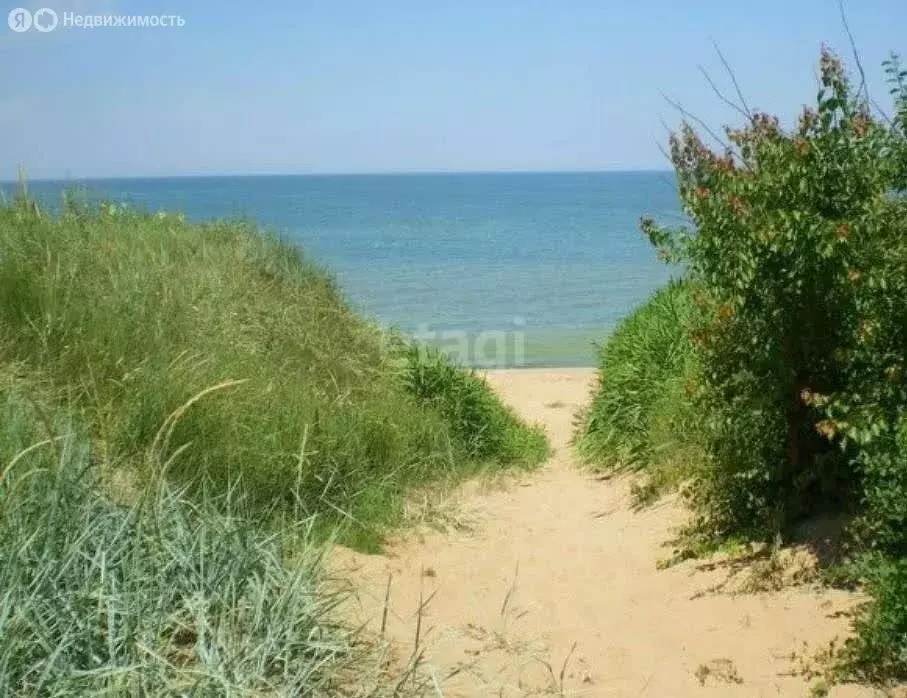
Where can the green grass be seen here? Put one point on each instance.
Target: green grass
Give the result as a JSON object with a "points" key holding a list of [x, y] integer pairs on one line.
{"points": [[188, 414], [878, 650], [234, 360], [159, 596], [641, 415], [478, 418]]}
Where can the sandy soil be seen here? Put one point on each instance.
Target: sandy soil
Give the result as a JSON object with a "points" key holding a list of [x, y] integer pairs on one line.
{"points": [[551, 588]]}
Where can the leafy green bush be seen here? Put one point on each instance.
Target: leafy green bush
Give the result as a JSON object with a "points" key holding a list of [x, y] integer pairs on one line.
{"points": [[477, 416], [800, 249], [157, 597], [878, 652], [642, 416], [244, 351]]}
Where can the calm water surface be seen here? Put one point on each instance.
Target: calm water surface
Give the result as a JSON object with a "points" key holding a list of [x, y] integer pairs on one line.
{"points": [[508, 268]]}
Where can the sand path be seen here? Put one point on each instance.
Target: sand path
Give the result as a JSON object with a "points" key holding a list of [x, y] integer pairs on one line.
{"points": [[553, 588]]}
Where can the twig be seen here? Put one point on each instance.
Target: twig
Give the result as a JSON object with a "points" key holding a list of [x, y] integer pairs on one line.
{"points": [[744, 110], [564, 667], [856, 54], [387, 597], [510, 591], [883, 113], [730, 72], [717, 91], [702, 124], [422, 604]]}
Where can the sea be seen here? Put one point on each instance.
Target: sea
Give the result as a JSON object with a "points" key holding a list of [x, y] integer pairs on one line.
{"points": [[497, 270]]}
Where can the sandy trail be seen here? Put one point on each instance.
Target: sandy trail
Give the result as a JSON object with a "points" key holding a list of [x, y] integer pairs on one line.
{"points": [[554, 588]]}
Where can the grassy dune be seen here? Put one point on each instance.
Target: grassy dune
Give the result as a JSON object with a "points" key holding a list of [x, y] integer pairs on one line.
{"points": [[185, 407], [236, 360]]}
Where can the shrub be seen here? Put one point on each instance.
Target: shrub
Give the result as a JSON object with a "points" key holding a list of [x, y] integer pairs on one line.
{"points": [[800, 249], [797, 244]]}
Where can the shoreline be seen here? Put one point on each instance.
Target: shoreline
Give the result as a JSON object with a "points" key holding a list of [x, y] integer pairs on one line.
{"points": [[579, 370]]}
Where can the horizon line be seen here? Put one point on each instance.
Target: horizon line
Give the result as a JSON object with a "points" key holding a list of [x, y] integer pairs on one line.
{"points": [[397, 173]]}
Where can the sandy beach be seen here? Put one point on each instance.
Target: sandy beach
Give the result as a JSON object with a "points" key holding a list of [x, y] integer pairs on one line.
{"points": [[549, 585]]}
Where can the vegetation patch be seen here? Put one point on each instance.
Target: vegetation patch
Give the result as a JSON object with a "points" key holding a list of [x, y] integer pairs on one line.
{"points": [[797, 262], [642, 416], [187, 414], [159, 597], [237, 362], [477, 417]]}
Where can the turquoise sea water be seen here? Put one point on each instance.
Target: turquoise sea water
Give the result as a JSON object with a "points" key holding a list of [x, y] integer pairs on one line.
{"points": [[498, 269]]}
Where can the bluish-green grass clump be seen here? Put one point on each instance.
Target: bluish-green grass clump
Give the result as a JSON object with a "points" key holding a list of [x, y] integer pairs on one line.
{"points": [[154, 596]]}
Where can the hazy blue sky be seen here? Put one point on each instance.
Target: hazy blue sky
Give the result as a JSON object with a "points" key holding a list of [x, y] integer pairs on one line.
{"points": [[403, 85]]}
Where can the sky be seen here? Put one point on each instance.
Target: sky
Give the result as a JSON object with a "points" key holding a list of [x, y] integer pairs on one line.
{"points": [[348, 86]]}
